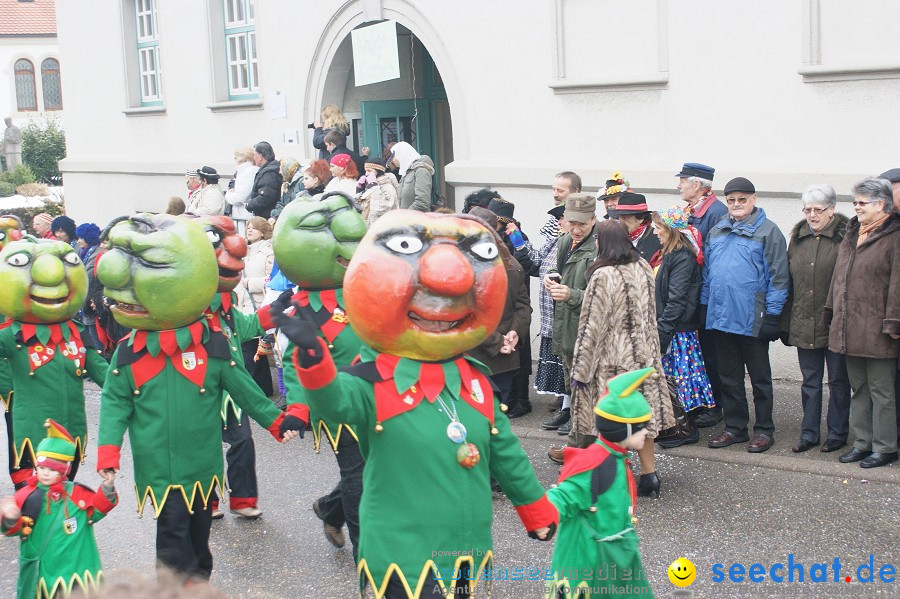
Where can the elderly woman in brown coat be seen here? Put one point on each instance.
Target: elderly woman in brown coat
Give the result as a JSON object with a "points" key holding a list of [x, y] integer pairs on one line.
{"points": [[812, 254], [617, 333], [863, 308]]}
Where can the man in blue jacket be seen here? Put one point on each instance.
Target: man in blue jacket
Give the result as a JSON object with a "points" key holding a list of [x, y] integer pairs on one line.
{"points": [[745, 286]]}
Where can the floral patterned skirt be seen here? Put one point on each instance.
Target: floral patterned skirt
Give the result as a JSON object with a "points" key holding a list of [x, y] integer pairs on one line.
{"points": [[684, 363], [550, 379]]}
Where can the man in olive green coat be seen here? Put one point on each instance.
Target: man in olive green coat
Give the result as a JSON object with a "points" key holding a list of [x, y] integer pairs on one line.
{"points": [[566, 284]]}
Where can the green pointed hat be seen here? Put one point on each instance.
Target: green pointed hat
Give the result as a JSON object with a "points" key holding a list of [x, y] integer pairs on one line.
{"points": [[622, 402], [57, 450]]}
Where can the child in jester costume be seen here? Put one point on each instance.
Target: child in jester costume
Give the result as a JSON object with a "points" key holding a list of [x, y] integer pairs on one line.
{"points": [[54, 518], [420, 291], [44, 285], [596, 497], [230, 249], [166, 381], [10, 230], [314, 241]]}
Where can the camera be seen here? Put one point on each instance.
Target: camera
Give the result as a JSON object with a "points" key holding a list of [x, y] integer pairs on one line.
{"points": [[311, 126]]}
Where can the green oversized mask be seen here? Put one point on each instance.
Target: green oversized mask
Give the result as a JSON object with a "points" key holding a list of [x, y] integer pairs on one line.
{"points": [[43, 281], [314, 240], [159, 272], [10, 229]]}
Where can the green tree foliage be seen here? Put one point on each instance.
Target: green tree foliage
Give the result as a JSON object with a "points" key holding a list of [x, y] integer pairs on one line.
{"points": [[43, 146], [20, 175]]}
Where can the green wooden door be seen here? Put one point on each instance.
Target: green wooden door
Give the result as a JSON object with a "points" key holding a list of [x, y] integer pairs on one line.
{"points": [[386, 121]]}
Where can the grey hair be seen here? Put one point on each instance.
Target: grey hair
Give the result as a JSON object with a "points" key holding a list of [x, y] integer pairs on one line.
{"points": [[876, 189], [704, 183], [821, 193]]}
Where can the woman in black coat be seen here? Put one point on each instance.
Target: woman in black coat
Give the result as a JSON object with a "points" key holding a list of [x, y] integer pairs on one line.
{"points": [[677, 318]]}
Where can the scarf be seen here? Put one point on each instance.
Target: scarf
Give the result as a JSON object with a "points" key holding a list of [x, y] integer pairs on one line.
{"points": [[636, 235], [864, 230]]}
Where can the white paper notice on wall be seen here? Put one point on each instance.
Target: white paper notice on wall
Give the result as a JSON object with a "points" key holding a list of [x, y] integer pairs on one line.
{"points": [[275, 106], [375, 56], [291, 137]]}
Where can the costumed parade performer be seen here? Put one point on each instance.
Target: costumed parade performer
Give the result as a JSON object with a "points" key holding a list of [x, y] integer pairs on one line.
{"points": [[231, 249], [596, 497], [166, 381], [10, 230], [314, 241], [44, 285], [54, 519], [421, 290]]}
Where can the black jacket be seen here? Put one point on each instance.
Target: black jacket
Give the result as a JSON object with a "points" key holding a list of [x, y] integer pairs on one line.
{"points": [[648, 244], [266, 190], [677, 295]]}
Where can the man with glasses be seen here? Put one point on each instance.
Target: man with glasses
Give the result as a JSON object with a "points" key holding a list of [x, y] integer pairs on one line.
{"points": [[745, 286]]}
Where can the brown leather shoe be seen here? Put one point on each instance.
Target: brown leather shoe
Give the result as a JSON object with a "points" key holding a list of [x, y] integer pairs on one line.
{"points": [[760, 443], [725, 439], [556, 454]]}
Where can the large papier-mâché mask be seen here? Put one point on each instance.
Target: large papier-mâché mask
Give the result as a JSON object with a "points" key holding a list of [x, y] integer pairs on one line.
{"points": [[314, 240], [42, 281], [426, 286], [159, 272], [231, 249], [10, 229]]}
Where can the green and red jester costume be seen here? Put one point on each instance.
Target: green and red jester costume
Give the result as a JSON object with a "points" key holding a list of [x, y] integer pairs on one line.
{"points": [[596, 552], [420, 290], [44, 284], [9, 231], [58, 553]]}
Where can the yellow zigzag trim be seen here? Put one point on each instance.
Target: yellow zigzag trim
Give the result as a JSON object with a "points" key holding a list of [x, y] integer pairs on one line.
{"points": [[7, 400], [19, 452], [228, 401], [333, 439], [158, 505], [88, 583], [363, 570]]}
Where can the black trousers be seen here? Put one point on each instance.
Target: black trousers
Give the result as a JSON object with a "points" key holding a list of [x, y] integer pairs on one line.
{"points": [[711, 359], [812, 367], [241, 460], [259, 369], [735, 352], [504, 382], [342, 504], [182, 538]]}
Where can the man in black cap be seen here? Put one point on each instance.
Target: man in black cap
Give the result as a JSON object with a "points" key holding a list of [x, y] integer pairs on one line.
{"points": [[745, 286], [893, 176], [695, 184], [631, 210]]}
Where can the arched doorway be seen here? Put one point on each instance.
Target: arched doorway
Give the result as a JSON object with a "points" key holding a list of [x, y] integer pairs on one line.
{"points": [[415, 107]]}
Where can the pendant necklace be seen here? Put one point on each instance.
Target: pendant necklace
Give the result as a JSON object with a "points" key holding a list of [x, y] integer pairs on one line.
{"points": [[467, 454]]}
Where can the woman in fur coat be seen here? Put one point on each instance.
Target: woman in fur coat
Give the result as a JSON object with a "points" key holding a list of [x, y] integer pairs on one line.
{"points": [[616, 334]]}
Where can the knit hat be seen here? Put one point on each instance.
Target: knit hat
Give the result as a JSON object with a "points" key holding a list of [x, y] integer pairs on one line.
{"points": [[89, 232], [57, 450], [44, 218], [191, 172], [374, 163], [66, 224], [615, 185], [341, 160], [623, 411], [675, 217]]}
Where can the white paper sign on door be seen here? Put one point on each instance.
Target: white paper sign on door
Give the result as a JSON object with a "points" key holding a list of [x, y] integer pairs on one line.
{"points": [[375, 56]]}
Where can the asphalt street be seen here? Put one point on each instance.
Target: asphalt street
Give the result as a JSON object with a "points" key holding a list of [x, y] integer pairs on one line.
{"points": [[722, 506]]}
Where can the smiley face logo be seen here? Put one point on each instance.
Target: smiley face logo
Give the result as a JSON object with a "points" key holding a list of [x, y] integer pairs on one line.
{"points": [[682, 572]]}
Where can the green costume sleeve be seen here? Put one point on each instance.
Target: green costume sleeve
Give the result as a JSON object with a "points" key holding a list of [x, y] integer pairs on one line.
{"points": [[571, 496], [116, 408], [96, 366], [244, 390], [510, 464], [7, 343], [246, 326]]}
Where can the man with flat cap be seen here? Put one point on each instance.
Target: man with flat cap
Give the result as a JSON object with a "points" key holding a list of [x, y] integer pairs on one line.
{"points": [[565, 282], [893, 176], [706, 210], [745, 286]]}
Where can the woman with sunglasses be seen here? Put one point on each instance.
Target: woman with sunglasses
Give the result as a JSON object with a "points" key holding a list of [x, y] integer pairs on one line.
{"points": [[863, 309], [812, 254]]}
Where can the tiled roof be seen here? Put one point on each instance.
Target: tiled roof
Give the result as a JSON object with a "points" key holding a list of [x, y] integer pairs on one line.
{"points": [[35, 17]]}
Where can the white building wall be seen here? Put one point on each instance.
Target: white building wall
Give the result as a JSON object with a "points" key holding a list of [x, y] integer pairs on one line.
{"points": [[35, 49]]}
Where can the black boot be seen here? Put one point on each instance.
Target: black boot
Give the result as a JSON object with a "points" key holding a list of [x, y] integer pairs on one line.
{"points": [[648, 486], [519, 408], [557, 420], [683, 433]]}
